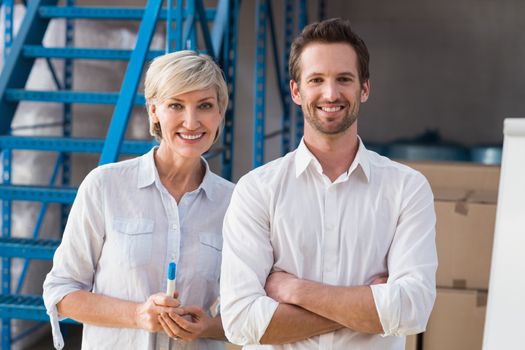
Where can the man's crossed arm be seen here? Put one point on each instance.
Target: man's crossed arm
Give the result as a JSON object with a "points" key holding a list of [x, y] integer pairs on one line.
{"points": [[307, 309]]}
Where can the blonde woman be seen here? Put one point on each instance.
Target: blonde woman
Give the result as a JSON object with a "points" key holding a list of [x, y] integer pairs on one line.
{"points": [[131, 218]]}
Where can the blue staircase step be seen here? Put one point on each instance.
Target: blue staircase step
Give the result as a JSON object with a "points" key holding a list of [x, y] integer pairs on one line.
{"points": [[71, 145], [107, 13], [42, 249], [35, 51], [24, 307], [84, 97], [47, 194]]}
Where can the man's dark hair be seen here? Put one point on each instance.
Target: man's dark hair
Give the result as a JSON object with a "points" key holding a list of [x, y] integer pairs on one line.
{"points": [[334, 30]]}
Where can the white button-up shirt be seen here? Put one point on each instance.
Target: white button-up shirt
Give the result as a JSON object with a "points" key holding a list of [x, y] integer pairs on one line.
{"points": [[123, 230], [376, 219]]}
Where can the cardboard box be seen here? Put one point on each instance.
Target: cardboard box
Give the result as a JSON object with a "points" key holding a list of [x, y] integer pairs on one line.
{"points": [[411, 343], [230, 346], [465, 199], [459, 175], [464, 238], [457, 321]]}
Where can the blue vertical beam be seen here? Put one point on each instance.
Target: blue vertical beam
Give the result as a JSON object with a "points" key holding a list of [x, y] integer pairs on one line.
{"points": [[119, 121], [189, 36], [286, 117], [8, 26], [281, 76], [205, 30], [229, 64], [260, 83], [6, 179], [191, 39], [299, 121], [303, 14], [6, 233], [169, 25], [321, 10], [67, 113], [179, 25], [218, 32], [275, 53], [17, 67]]}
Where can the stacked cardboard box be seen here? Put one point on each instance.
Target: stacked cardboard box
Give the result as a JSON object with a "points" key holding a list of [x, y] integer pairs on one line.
{"points": [[465, 200]]}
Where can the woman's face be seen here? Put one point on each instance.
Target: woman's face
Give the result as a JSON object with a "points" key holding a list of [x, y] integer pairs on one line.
{"points": [[189, 121]]}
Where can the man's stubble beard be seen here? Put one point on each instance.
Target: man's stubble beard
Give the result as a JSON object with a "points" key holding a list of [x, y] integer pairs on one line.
{"points": [[310, 116]]}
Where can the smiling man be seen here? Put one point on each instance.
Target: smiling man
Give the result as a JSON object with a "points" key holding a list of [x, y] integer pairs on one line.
{"points": [[331, 246]]}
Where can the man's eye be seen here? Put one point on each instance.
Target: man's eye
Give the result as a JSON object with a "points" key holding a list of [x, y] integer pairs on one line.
{"points": [[345, 79], [316, 80]]}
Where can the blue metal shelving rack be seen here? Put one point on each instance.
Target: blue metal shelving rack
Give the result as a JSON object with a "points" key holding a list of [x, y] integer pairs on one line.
{"points": [[295, 14], [217, 26]]}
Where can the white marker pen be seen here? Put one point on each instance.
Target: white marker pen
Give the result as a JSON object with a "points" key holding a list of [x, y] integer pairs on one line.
{"points": [[172, 270]]}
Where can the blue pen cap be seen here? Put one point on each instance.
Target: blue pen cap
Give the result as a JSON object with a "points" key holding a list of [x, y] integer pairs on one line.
{"points": [[172, 269]]}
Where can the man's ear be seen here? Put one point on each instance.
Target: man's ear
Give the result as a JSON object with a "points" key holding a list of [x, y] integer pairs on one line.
{"points": [[365, 91], [294, 91]]}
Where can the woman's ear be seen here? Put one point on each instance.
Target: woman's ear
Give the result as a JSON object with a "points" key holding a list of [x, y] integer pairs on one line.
{"points": [[152, 111]]}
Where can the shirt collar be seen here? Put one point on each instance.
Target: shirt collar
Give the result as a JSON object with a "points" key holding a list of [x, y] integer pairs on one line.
{"points": [[148, 173], [208, 183], [362, 159], [303, 158], [147, 169]]}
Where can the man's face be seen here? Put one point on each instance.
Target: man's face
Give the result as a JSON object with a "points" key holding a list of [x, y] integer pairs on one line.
{"points": [[329, 90]]}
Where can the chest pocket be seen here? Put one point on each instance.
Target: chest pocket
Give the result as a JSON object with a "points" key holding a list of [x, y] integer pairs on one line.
{"points": [[135, 239], [210, 251]]}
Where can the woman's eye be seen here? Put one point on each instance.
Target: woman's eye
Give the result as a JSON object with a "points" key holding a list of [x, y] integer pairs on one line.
{"points": [[206, 105], [316, 80], [176, 106]]}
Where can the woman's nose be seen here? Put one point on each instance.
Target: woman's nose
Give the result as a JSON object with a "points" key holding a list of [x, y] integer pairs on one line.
{"points": [[191, 120]]}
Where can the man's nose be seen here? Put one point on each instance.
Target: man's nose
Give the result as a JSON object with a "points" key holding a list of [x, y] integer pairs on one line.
{"points": [[331, 91]]}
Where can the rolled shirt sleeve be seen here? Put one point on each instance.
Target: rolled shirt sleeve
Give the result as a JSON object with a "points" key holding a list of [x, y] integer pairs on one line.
{"points": [[75, 259], [405, 302], [247, 259]]}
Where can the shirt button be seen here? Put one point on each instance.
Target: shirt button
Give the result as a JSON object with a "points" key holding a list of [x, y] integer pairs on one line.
{"points": [[174, 226]]}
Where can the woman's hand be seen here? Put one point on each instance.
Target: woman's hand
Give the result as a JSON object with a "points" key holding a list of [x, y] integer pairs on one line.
{"points": [[187, 323], [147, 314]]}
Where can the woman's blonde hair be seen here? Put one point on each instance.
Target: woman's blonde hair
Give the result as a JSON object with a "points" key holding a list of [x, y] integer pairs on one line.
{"points": [[180, 72]]}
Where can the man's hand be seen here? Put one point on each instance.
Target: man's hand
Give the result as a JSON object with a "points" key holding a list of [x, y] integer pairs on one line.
{"points": [[280, 287], [379, 280]]}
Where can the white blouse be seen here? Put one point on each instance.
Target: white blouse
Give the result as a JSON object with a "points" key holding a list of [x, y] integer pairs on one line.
{"points": [[123, 230]]}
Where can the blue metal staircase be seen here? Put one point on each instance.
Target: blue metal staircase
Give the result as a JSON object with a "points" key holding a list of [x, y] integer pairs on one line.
{"points": [[185, 24], [295, 15]]}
